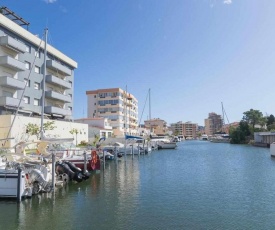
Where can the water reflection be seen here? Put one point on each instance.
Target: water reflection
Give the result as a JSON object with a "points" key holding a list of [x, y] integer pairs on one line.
{"points": [[198, 186]]}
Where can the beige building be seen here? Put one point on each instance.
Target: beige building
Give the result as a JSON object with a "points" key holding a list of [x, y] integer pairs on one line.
{"points": [[213, 123], [157, 126], [177, 128], [188, 129], [119, 106]]}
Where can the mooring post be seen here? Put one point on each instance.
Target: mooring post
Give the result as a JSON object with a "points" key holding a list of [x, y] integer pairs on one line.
{"points": [[19, 184], [103, 159], [53, 171], [85, 161]]}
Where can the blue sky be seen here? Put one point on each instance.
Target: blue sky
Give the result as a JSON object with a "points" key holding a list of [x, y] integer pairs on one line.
{"points": [[193, 54]]}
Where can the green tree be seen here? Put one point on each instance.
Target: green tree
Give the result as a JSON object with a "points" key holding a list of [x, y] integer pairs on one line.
{"points": [[271, 127], [34, 129], [74, 131], [240, 135], [96, 139], [270, 120], [252, 117]]}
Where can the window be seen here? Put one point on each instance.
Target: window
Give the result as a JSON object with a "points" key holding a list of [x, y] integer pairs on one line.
{"points": [[36, 85], [37, 69], [94, 96], [27, 100], [37, 54], [28, 65], [70, 95], [95, 104], [70, 108], [28, 49], [36, 101], [27, 82]]}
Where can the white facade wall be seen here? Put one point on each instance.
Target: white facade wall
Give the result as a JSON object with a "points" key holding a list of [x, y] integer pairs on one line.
{"points": [[18, 131]]}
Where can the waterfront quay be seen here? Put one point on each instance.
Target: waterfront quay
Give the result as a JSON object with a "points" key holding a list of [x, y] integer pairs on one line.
{"points": [[199, 185]]}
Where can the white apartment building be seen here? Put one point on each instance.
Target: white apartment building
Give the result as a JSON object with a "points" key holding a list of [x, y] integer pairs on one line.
{"points": [[98, 126], [119, 106]]}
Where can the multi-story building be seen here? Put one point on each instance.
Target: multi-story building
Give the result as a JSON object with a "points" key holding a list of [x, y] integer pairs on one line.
{"points": [[119, 106], [28, 79], [177, 128], [22, 69], [187, 129], [213, 123], [190, 130], [156, 126]]}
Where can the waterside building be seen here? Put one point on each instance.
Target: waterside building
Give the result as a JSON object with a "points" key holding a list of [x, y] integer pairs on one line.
{"points": [[187, 129], [119, 106], [22, 66], [156, 126], [213, 123]]}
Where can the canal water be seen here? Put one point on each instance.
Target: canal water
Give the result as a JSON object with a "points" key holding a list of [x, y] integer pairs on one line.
{"points": [[200, 185]]}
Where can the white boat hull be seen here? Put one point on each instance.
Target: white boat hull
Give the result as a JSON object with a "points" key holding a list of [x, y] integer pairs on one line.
{"points": [[164, 145], [272, 149], [9, 184]]}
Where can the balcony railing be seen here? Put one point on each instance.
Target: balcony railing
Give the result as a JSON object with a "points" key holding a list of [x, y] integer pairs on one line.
{"points": [[57, 81], [58, 96], [12, 63], [58, 111], [11, 82], [12, 44], [51, 64], [9, 101]]}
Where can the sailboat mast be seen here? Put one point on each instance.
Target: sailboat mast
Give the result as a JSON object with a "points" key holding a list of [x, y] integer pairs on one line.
{"points": [[150, 110], [43, 86], [222, 115]]}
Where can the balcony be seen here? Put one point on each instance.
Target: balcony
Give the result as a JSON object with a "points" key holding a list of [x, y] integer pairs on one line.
{"points": [[51, 64], [58, 111], [11, 82], [11, 63], [57, 81], [9, 101], [12, 44], [58, 96]]}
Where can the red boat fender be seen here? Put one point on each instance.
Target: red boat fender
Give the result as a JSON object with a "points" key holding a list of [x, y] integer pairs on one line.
{"points": [[94, 159]]}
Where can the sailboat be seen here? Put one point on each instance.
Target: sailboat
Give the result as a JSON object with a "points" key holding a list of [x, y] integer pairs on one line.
{"points": [[222, 137], [74, 157]]}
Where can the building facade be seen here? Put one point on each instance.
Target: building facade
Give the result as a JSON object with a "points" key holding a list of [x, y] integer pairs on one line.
{"points": [[213, 123], [119, 106], [98, 126], [35, 77], [156, 126], [187, 129], [21, 74], [177, 128]]}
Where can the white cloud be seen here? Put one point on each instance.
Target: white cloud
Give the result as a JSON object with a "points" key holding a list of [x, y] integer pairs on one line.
{"points": [[50, 1], [227, 2]]}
